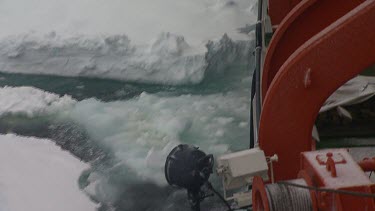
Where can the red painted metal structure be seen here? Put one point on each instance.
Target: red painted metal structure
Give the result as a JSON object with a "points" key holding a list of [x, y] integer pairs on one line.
{"points": [[341, 182], [278, 9], [308, 77], [318, 46], [367, 164], [307, 19], [320, 167]]}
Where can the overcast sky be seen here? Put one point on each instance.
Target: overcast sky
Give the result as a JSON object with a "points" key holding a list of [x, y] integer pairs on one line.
{"points": [[141, 20]]}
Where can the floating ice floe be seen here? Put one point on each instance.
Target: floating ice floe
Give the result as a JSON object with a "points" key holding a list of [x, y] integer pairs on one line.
{"points": [[36, 175], [31, 101]]}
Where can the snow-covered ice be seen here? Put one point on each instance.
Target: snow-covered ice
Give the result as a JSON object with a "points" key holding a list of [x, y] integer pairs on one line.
{"points": [[159, 42], [31, 101], [36, 175]]}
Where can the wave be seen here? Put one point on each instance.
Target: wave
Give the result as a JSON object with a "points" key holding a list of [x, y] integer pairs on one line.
{"points": [[140, 133], [126, 142], [169, 59], [132, 128]]}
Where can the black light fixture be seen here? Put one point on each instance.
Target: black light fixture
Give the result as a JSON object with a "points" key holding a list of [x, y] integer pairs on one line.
{"points": [[189, 168]]}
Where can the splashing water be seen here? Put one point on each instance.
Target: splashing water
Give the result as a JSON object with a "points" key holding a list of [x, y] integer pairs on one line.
{"points": [[120, 83]]}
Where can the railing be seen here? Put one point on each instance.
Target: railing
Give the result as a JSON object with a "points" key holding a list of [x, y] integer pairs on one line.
{"points": [[256, 105]]}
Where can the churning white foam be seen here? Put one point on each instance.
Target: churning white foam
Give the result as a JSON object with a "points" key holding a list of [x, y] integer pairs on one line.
{"points": [[37, 175], [143, 130]]}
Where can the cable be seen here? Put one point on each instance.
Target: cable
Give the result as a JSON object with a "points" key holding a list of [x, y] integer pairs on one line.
{"points": [[286, 198], [248, 207], [209, 185], [346, 192]]}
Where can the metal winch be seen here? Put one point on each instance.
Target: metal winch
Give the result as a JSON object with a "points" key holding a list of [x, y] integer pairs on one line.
{"points": [[281, 197]]}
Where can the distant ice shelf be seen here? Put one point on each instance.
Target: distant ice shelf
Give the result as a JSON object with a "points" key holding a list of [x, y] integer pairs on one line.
{"points": [[169, 59]]}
